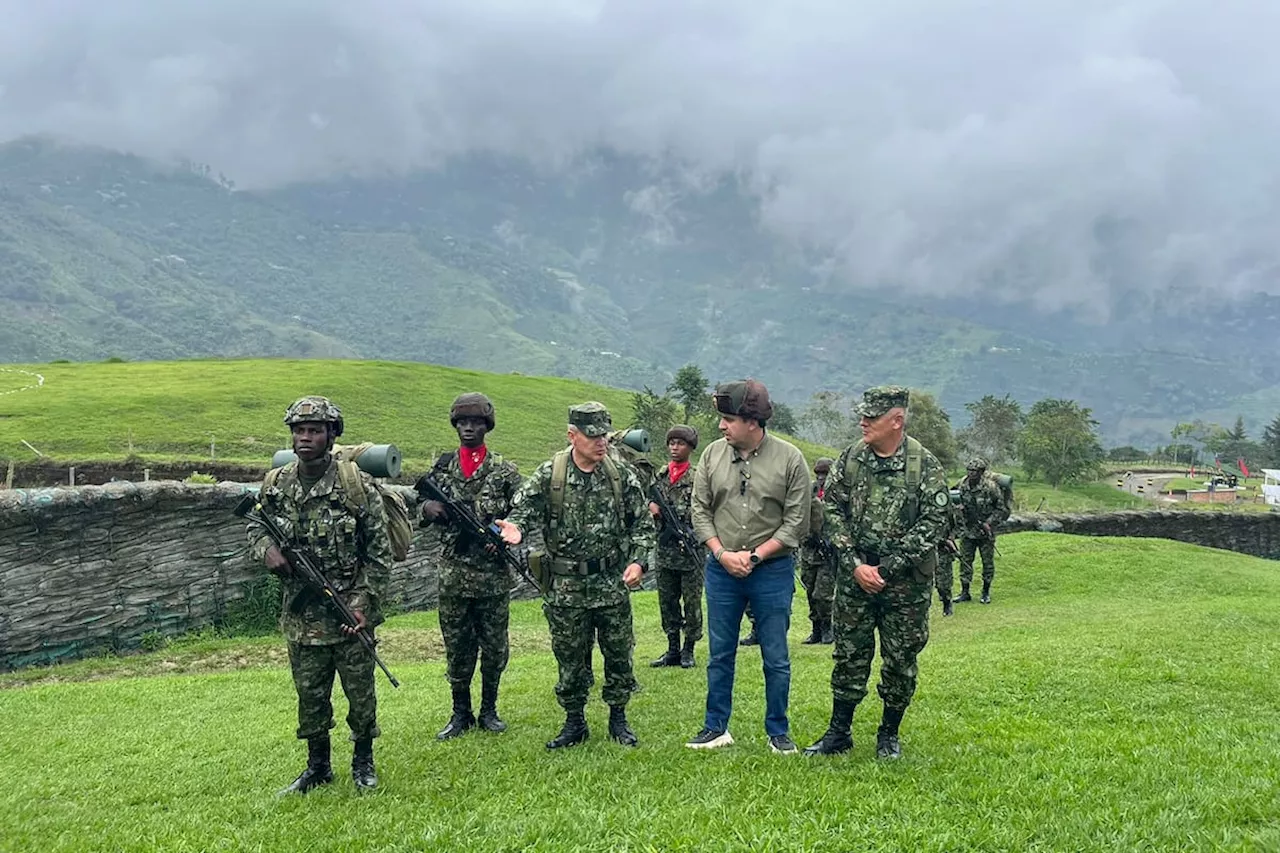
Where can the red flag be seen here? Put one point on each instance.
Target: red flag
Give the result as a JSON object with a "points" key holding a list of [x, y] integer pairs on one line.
{"points": [[1244, 469], [1193, 470]]}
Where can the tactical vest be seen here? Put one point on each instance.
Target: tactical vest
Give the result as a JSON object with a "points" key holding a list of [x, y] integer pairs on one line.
{"points": [[559, 473]]}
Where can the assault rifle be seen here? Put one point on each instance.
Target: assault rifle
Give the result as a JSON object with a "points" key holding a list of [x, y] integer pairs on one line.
{"points": [[304, 566], [672, 526], [461, 515], [825, 549]]}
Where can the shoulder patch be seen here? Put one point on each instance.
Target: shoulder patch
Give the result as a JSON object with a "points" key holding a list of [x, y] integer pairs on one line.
{"points": [[940, 498]]}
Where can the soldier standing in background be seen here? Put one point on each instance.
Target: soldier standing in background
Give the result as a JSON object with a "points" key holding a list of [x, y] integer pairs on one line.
{"points": [[887, 501], [590, 518], [475, 582], [680, 573], [947, 550], [984, 508], [817, 571], [308, 500]]}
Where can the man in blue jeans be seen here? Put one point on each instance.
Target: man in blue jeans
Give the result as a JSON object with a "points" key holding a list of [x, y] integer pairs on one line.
{"points": [[751, 507]]}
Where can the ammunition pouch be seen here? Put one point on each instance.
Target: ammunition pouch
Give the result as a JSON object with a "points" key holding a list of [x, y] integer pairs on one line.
{"points": [[583, 568]]}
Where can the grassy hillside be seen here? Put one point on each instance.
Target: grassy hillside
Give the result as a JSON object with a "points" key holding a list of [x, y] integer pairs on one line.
{"points": [[167, 410], [1077, 712]]}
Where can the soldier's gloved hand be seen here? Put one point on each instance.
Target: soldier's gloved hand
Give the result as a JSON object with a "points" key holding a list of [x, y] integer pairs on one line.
{"points": [[360, 625], [433, 510], [276, 563]]}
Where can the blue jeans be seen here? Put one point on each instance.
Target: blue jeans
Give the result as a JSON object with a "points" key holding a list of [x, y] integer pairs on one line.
{"points": [[769, 588]]}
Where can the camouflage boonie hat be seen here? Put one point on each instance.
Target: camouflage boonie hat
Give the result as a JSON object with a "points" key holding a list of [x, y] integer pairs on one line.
{"points": [[880, 399], [745, 398], [591, 418], [977, 463], [823, 465], [314, 409]]}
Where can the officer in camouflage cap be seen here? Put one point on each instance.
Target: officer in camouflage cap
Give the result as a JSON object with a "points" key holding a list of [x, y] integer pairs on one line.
{"points": [[886, 504], [588, 521], [983, 507], [680, 572], [817, 562], [349, 539], [475, 584]]}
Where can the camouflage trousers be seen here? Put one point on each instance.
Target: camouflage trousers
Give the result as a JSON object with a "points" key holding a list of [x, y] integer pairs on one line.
{"points": [[573, 632], [944, 578], [680, 582], [818, 577], [474, 628], [985, 547], [313, 670], [900, 614]]}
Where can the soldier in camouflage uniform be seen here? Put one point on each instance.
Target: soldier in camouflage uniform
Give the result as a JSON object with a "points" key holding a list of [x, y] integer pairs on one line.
{"points": [[817, 574], [680, 573], [984, 508], [349, 541], [475, 582], [947, 550], [595, 546], [886, 501]]}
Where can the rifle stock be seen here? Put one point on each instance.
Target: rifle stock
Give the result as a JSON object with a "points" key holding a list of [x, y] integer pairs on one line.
{"points": [[305, 567]]}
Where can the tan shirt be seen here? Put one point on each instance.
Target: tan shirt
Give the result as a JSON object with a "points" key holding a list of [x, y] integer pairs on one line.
{"points": [[748, 501]]}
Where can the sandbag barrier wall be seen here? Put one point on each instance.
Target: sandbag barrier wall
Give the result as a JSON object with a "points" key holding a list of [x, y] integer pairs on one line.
{"points": [[96, 568]]}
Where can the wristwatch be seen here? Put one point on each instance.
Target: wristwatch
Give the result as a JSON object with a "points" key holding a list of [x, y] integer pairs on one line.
{"points": [[755, 558]]}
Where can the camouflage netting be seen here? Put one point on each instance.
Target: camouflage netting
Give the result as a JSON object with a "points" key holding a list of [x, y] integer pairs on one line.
{"points": [[95, 568]]}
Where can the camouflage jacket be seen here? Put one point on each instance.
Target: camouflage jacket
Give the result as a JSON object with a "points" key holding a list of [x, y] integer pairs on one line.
{"points": [[981, 504], [680, 495], [868, 515], [591, 528], [465, 568], [350, 546]]}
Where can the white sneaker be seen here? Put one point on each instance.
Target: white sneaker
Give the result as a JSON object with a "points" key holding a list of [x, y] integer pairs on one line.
{"points": [[710, 739]]}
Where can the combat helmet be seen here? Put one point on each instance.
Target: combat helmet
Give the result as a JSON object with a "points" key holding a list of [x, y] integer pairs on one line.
{"points": [[472, 405], [314, 409]]}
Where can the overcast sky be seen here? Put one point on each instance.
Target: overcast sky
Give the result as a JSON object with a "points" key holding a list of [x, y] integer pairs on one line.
{"points": [[1053, 151]]}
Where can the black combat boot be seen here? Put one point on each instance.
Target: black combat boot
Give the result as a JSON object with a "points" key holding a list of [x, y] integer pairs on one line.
{"points": [[362, 771], [489, 719], [318, 771], [619, 731], [986, 592], [947, 609], [815, 636], [839, 735], [686, 653], [671, 657], [964, 594], [751, 639], [828, 633], [573, 732], [887, 745], [462, 718]]}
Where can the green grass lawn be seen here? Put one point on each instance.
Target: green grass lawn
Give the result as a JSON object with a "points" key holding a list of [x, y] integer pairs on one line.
{"points": [[1079, 497], [173, 410], [1118, 695]]}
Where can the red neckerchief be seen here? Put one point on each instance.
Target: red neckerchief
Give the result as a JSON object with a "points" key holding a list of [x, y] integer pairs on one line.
{"points": [[471, 460], [821, 489], [676, 470]]}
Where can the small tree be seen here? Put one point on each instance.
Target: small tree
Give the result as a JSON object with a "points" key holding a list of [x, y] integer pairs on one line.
{"points": [[691, 390], [826, 420], [930, 425], [993, 428], [1271, 441], [1059, 443], [784, 419]]}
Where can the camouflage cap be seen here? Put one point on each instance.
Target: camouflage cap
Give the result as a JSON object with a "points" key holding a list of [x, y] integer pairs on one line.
{"points": [[823, 465], [977, 463], [314, 409], [685, 433], [591, 418], [746, 398], [880, 399], [472, 405]]}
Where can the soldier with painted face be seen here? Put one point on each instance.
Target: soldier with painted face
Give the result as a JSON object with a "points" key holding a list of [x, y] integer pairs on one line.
{"points": [[886, 502], [348, 538], [475, 581], [679, 572], [817, 571], [588, 517], [984, 508]]}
